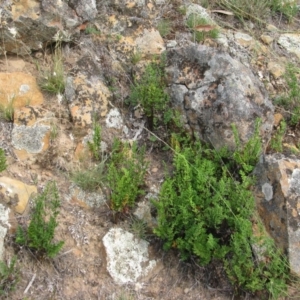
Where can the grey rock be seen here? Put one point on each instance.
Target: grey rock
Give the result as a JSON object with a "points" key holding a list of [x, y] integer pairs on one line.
{"points": [[213, 91], [29, 138], [86, 9], [277, 196]]}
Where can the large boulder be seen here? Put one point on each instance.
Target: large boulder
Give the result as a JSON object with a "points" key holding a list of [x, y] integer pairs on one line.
{"points": [[28, 25], [278, 200], [212, 91]]}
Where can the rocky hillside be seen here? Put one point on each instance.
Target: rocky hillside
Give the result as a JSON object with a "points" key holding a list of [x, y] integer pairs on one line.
{"points": [[102, 105]]}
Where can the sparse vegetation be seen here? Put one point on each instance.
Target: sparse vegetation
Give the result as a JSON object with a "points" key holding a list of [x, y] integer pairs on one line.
{"points": [[257, 10], [201, 28], [40, 232], [139, 228], [54, 81], [90, 179], [92, 30], [9, 276], [290, 101], [164, 27], [3, 164], [126, 171], [276, 141], [136, 57]]}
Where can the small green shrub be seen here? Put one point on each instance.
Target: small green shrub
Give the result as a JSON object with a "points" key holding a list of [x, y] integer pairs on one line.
{"points": [[205, 209], [291, 99], [276, 141], [54, 82], [95, 144], [126, 171], [40, 232], [3, 164], [149, 92], [9, 276], [164, 27], [195, 20]]}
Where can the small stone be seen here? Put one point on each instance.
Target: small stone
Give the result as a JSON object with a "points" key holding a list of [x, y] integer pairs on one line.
{"points": [[271, 27], [172, 44], [290, 41], [16, 193], [154, 170], [243, 39], [277, 119], [186, 290], [267, 39], [275, 69]]}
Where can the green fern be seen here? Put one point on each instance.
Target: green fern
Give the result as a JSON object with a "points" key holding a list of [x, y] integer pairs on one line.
{"points": [[126, 172], [205, 210], [9, 276], [40, 232]]}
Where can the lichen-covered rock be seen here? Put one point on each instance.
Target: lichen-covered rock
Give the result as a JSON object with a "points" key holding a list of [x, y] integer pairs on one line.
{"points": [[4, 225], [87, 95], [19, 89], [28, 25], [212, 91], [278, 199], [127, 257]]}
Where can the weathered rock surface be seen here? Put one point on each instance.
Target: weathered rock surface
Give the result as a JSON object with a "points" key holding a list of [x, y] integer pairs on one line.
{"points": [[19, 89], [16, 193], [4, 225], [291, 42], [127, 257], [28, 24], [86, 94], [212, 91], [278, 199]]}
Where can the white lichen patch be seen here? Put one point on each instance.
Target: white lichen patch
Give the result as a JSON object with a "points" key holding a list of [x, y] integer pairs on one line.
{"points": [[29, 138], [127, 257], [4, 225]]}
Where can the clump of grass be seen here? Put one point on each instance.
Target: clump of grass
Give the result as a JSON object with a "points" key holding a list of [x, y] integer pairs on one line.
{"points": [[201, 28], [276, 141], [136, 57], [3, 164], [7, 110], [9, 276], [54, 82], [164, 27], [290, 101], [139, 228], [257, 10], [92, 30], [90, 179]]}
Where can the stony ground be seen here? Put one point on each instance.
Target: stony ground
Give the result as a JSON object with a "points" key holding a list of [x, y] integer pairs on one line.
{"points": [[79, 271]]}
